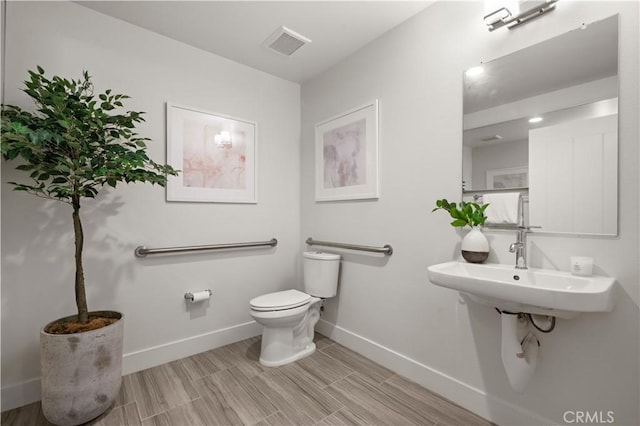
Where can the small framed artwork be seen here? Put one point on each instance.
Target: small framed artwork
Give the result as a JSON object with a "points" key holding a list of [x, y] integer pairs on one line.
{"points": [[347, 155], [511, 177], [215, 153]]}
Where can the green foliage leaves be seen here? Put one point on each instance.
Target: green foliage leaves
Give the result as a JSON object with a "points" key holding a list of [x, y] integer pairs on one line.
{"points": [[471, 214], [73, 145]]}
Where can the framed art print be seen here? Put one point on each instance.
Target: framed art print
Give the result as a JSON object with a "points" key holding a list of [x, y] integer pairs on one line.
{"points": [[511, 177], [216, 156], [347, 155]]}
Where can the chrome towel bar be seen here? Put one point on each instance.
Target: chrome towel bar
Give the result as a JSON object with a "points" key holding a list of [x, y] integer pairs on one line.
{"points": [[142, 251], [386, 249]]}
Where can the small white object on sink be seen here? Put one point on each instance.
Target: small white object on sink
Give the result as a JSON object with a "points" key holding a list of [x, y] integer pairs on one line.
{"points": [[581, 266]]}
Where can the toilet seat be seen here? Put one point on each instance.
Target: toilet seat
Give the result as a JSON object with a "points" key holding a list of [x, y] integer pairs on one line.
{"points": [[280, 301]]}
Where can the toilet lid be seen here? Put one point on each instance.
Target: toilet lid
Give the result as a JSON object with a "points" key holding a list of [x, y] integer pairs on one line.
{"points": [[287, 299]]}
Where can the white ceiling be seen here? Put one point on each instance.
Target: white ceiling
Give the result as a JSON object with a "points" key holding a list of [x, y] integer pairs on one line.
{"points": [[237, 29]]}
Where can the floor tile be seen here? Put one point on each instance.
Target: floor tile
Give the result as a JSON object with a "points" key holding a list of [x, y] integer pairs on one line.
{"points": [[298, 399], [367, 401], [428, 404], [239, 393], [246, 355], [366, 368], [228, 386], [123, 415], [125, 396], [277, 419], [160, 388], [204, 364], [220, 409], [28, 415], [343, 417], [321, 341], [194, 413], [319, 368]]}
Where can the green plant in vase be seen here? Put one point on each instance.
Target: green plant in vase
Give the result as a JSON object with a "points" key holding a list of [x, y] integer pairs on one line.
{"points": [[464, 213], [475, 246]]}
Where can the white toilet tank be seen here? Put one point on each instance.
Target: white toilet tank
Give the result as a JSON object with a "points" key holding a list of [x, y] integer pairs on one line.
{"points": [[321, 273]]}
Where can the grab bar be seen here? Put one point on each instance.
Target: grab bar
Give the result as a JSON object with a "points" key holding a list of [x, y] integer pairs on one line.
{"points": [[142, 251], [477, 198], [386, 249]]}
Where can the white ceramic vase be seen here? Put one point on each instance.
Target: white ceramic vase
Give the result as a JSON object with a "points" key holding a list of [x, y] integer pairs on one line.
{"points": [[475, 246]]}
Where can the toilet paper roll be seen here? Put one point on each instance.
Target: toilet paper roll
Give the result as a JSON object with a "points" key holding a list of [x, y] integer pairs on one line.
{"points": [[199, 296]]}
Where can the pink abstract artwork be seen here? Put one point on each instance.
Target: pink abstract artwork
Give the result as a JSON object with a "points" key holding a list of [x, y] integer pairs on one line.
{"points": [[216, 156], [344, 155], [208, 164]]}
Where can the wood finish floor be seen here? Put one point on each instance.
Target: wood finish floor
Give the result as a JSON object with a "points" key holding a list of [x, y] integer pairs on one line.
{"points": [[227, 386]]}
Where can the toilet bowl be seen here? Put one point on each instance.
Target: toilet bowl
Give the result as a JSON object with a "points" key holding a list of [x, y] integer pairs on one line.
{"points": [[289, 317], [288, 330]]}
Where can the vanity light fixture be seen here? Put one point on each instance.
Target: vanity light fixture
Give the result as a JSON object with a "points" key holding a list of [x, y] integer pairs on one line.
{"points": [[511, 13], [534, 120], [223, 139]]}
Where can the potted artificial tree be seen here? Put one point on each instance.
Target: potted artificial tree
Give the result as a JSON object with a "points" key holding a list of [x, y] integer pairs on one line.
{"points": [[73, 145], [475, 246]]}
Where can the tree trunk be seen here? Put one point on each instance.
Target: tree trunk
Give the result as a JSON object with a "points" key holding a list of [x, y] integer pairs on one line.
{"points": [[81, 296]]}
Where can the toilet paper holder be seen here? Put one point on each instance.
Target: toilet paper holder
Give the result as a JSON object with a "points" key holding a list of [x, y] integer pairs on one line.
{"points": [[190, 297]]}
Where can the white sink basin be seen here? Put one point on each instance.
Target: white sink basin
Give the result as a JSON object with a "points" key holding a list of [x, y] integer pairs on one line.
{"points": [[536, 291]]}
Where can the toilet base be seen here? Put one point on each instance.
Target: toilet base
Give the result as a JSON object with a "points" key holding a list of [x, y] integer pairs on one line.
{"points": [[288, 338], [311, 348]]}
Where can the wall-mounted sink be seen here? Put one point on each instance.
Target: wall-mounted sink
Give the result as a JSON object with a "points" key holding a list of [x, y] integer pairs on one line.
{"points": [[536, 291]]}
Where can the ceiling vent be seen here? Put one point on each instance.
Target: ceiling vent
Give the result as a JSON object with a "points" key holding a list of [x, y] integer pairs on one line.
{"points": [[491, 138], [286, 41]]}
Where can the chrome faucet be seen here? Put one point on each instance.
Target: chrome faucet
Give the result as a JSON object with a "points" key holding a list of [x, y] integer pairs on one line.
{"points": [[520, 246]]}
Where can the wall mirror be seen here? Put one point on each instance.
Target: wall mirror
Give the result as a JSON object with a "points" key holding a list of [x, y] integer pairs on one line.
{"points": [[543, 121]]}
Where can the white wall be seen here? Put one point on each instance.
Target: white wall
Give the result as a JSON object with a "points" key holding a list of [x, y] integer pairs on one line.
{"points": [[37, 241], [387, 308]]}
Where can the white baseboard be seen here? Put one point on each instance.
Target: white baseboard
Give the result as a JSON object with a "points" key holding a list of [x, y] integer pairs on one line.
{"points": [[26, 392], [475, 400], [20, 394], [161, 354]]}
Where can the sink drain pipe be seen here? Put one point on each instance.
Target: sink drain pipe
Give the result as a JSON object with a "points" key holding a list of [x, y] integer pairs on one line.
{"points": [[552, 324], [519, 349]]}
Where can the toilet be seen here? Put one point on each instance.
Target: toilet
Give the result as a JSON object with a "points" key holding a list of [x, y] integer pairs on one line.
{"points": [[289, 316]]}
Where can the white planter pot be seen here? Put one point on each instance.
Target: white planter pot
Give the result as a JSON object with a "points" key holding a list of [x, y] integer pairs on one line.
{"points": [[82, 372], [475, 246]]}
